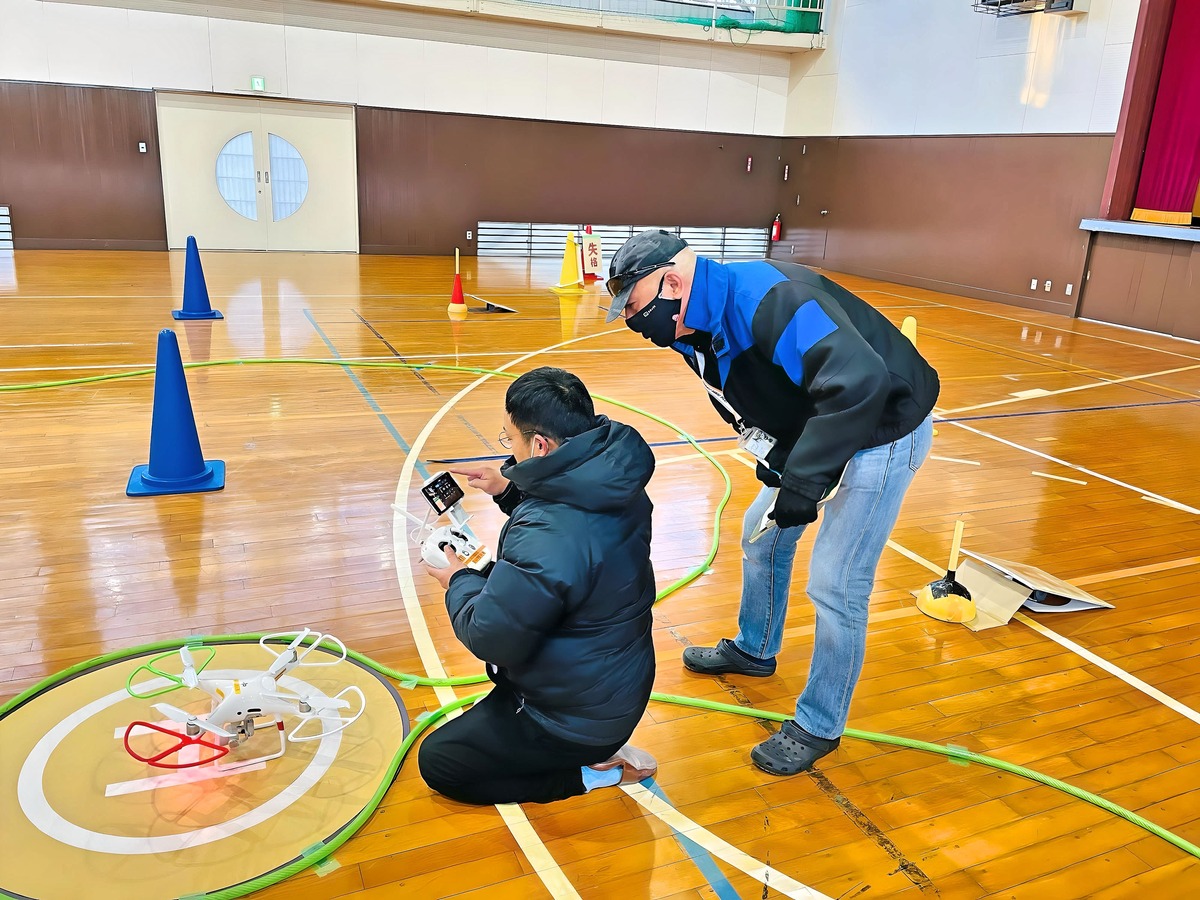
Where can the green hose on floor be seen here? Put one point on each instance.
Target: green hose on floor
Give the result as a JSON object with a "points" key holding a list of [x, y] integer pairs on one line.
{"points": [[322, 851]]}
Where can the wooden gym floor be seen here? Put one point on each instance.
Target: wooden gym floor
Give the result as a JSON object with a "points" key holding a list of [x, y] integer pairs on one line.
{"points": [[1071, 446]]}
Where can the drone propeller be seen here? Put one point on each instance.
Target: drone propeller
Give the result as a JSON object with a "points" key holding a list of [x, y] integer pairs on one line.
{"points": [[321, 713], [175, 714], [289, 656], [329, 703], [188, 674]]}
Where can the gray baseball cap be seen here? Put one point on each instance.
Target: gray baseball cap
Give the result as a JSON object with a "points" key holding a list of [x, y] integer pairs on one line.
{"points": [[642, 254]]}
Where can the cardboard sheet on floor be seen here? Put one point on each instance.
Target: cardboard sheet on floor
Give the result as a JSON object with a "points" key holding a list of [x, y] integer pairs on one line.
{"points": [[1000, 588]]}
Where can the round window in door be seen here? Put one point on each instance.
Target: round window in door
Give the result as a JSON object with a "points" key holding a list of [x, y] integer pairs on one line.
{"points": [[289, 178], [235, 175]]}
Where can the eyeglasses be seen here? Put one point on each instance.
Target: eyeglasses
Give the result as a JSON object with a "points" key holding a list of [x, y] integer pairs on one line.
{"points": [[506, 441], [618, 283]]}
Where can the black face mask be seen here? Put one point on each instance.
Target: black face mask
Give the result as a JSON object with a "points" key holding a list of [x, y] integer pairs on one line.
{"points": [[656, 321]]}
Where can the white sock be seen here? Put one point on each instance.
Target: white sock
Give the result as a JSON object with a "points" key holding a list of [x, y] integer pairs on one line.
{"points": [[594, 778]]}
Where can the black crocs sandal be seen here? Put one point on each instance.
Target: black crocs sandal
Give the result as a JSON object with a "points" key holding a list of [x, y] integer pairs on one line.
{"points": [[726, 659], [791, 750]]}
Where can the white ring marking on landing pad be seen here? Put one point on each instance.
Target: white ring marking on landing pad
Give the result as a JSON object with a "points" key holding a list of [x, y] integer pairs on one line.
{"points": [[37, 808]]}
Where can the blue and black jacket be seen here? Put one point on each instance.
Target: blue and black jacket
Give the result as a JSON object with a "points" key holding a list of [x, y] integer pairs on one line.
{"points": [[808, 362]]}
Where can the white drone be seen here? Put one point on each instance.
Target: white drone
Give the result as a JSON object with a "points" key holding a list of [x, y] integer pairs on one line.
{"points": [[238, 703]]}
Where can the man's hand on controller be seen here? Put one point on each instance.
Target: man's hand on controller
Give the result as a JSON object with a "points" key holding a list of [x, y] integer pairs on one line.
{"points": [[443, 576]]}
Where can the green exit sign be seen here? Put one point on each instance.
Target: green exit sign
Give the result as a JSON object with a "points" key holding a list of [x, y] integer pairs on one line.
{"points": [[258, 83]]}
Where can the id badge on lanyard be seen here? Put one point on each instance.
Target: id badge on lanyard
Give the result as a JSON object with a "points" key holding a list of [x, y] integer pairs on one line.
{"points": [[754, 441], [757, 443]]}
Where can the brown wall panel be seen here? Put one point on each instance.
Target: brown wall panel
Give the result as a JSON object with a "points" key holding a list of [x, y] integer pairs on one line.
{"points": [[808, 192], [425, 178], [71, 170], [1144, 283], [979, 216]]}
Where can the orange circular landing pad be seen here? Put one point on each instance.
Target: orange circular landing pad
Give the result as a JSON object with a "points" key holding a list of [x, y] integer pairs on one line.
{"points": [[82, 818]]}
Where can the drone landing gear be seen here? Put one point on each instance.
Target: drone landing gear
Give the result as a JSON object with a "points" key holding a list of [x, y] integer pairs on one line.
{"points": [[245, 731]]}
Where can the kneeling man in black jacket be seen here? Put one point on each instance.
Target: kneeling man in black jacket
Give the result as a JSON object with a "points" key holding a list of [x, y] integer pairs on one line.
{"points": [[563, 617]]}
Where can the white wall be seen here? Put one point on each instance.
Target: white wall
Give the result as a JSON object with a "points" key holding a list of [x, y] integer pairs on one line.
{"points": [[899, 67], [507, 71]]}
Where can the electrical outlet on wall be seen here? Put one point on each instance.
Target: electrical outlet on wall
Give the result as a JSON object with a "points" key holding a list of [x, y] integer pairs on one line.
{"points": [[141, 146], [1033, 284], [1047, 284], [1070, 287], [468, 235]]}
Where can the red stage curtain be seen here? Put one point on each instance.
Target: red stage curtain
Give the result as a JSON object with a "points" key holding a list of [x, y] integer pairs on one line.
{"points": [[1171, 168]]}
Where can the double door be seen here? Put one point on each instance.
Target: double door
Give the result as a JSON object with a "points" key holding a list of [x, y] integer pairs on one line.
{"points": [[250, 174]]}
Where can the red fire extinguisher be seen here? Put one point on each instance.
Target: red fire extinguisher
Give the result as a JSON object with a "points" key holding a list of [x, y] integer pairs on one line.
{"points": [[776, 228]]}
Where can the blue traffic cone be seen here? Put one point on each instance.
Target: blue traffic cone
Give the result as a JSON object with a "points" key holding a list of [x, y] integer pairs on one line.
{"points": [[176, 464], [195, 291]]}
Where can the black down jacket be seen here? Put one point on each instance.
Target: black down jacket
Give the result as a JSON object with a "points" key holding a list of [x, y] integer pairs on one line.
{"points": [[564, 615]]}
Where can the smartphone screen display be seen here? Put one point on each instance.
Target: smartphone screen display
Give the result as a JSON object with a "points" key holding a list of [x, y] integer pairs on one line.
{"points": [[442, 492]]}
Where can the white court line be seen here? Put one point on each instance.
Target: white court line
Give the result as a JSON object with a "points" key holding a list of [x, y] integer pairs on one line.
{"points": [[954, 459], [527, 839], [1056, 328], [1145, 494], [389, 358], [1166, 501], [1036, 393], [88, 344], [1160, 334], [106, 367], [1058, 477], [722, 849], [918, 303], [539, 856], [1148, 689], [676, 459], [1113, 669], [425, 356]]}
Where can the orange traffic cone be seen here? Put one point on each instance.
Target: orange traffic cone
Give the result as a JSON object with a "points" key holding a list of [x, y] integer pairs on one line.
{"points": [[457, 308]]}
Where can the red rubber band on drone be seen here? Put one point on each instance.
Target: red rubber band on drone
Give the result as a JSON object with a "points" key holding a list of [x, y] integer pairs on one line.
{"points": [[184, 741]]}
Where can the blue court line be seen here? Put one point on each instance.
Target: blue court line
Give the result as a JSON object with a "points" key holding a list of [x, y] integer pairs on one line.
{"points": [[463, 459], [362, 389], [704, 862], [1054, 412]]}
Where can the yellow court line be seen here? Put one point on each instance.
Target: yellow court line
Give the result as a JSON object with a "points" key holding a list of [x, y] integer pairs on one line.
{"points": [[1071, 390], [745, 460], [1150, 569], [955, 459]]}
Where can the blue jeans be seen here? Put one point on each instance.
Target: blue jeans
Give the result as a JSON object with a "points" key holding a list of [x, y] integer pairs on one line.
{"points": [[856, 525]]}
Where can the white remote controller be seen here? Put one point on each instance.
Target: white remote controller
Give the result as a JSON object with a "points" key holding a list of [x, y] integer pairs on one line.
{"points": [[473, 555], [443, 495]]}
